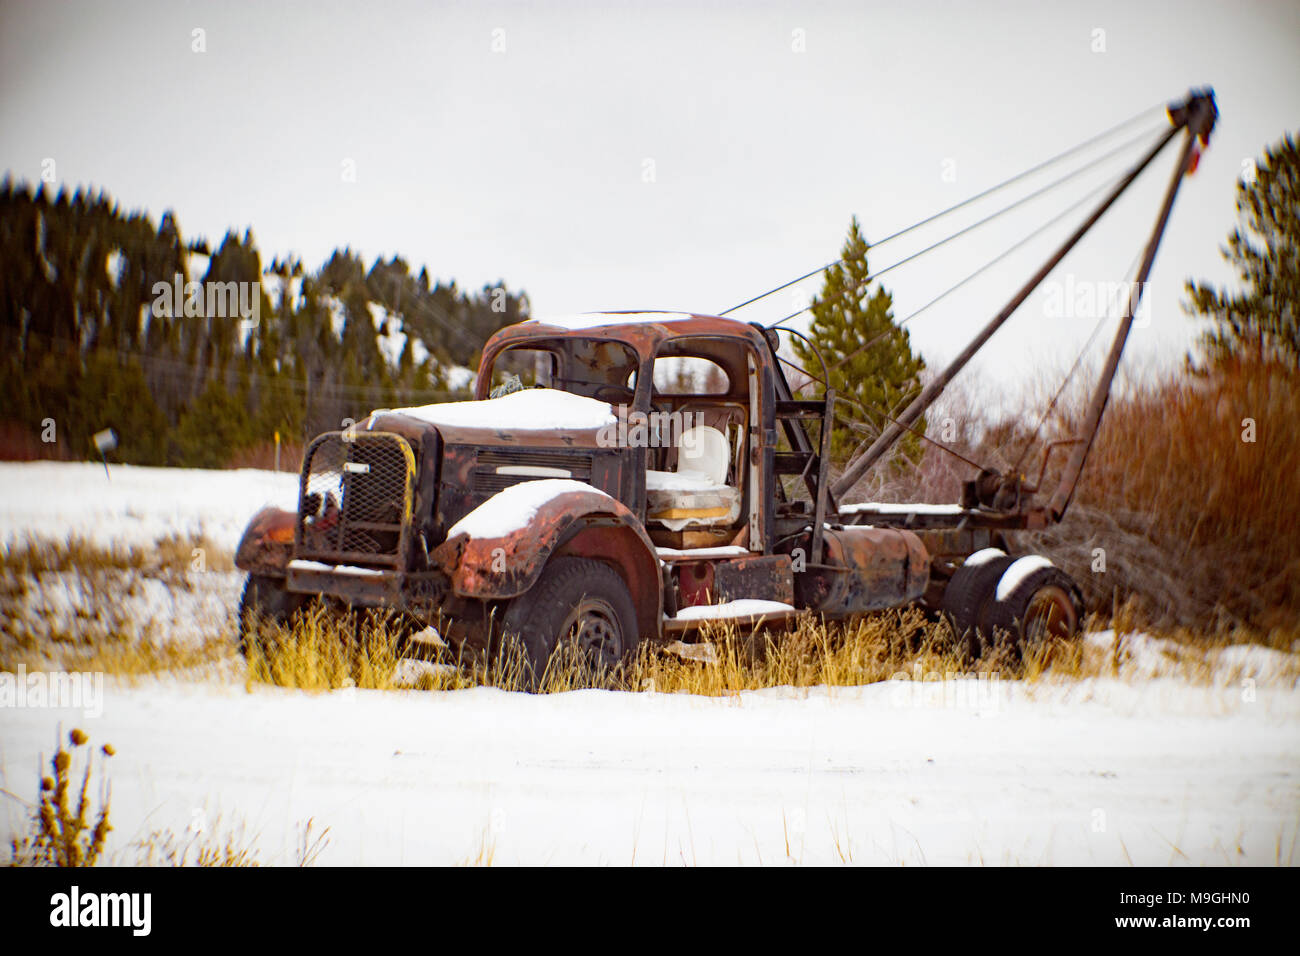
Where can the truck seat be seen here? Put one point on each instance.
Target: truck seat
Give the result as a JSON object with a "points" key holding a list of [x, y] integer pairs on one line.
{"points": [[697, 493]]}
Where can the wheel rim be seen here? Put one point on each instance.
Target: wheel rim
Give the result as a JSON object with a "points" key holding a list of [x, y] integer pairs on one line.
{"points": [[1051, 613], [592, 629]]}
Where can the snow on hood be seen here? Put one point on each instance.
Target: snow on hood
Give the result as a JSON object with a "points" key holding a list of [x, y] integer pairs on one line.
{"points": [[531, 409], [515, 507]]}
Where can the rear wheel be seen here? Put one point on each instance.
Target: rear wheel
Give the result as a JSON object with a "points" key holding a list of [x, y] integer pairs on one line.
{"points": [[1045, 605], [967, 600], [264, 599], [578, 607]]}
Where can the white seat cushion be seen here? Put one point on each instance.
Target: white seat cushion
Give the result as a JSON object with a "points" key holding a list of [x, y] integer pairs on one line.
{"points": [[680, 499]]}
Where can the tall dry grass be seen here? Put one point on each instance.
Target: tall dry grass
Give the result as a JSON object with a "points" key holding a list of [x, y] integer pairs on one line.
{"points": [[76, 605], [324, 651]]}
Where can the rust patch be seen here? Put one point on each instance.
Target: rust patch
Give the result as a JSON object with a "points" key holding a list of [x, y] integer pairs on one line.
{"points": [[583, 523]]}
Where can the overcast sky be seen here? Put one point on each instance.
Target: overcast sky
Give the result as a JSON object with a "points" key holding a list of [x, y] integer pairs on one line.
{"points": [[655, 156]]}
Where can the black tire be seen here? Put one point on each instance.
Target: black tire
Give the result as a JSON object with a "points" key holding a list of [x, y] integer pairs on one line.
{"points": [[575, 599], [265, 598], [967, 601], [1045, 605]]}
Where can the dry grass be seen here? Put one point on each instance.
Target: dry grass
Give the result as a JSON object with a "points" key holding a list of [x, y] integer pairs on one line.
{"points": [[326, 651], [75, 605], [215, 847], [216, 844], [169, 558], [68, 828]]}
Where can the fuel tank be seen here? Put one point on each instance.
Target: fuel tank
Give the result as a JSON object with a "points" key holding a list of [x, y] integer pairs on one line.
{"points": [[864, 569]]}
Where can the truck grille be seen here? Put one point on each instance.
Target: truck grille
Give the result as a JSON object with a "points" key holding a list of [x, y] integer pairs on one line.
{"points": [[496, 470], [354, 502]]}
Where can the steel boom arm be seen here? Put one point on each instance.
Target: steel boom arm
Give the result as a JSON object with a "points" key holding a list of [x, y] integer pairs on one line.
{"points": [[1197, 115]]}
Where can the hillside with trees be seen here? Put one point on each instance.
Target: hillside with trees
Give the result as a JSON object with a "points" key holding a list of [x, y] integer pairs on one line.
{"points": [[91, 342]]}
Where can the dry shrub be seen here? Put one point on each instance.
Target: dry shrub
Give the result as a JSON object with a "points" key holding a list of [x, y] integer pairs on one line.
{"points": [[66, 829], [1197, 522]]}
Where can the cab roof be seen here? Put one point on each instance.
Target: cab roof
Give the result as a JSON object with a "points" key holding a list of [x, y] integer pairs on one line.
{"points": [[643, 330]]}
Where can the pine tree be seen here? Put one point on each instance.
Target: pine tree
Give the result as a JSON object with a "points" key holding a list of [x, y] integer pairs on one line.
{"points": [[1262, 321], [212, 428], [882, 376]]}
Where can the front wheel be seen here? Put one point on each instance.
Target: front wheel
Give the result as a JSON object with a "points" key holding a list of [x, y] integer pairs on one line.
{"points": [[578, 607], [265, 599]]}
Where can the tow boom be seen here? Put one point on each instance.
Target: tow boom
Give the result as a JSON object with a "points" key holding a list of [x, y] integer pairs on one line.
{"points": [[1196, 116]]}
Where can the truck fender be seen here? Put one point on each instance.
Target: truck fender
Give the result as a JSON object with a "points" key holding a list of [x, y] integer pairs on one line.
{"points": [[267, 544], [588, 524]]}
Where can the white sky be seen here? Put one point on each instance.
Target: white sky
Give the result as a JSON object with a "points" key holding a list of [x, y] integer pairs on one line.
{"points": [[528, 164]]}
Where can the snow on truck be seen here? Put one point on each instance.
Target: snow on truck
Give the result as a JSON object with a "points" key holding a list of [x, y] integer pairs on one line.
{"points": [[591, 502]]}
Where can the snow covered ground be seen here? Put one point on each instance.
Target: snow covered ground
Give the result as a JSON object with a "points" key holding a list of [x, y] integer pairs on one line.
{"points": [[1144, 768], [896, 773], [134, 506]]}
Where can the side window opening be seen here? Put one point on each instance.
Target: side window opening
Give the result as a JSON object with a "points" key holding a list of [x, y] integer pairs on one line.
{"points": [[689, 375]]}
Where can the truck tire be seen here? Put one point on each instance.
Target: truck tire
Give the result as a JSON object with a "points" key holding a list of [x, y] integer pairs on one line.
{"points": [[967, 601], [1045, 604], [575, 599], [264, 597]]}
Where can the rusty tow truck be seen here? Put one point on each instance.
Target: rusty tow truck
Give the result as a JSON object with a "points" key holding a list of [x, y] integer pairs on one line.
{"points": [[598, 500]]}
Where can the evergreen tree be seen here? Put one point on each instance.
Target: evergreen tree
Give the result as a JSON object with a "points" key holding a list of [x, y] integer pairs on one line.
{"points": [[1262, 320], [112, 394], [214, 427], [881, 377]]}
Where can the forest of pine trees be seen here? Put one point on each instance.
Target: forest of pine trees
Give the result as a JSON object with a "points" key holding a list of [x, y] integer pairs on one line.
{"points": [[83, 349]]}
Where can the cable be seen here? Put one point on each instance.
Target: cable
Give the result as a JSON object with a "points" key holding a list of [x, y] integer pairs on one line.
{"points": [[1091, 194], [966, 202], [978, 223]]}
